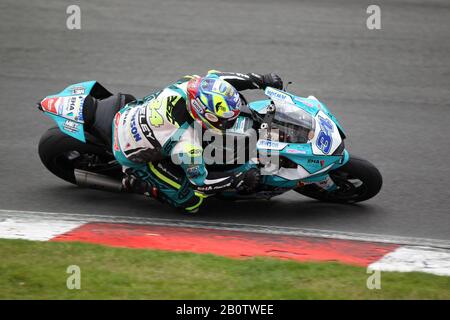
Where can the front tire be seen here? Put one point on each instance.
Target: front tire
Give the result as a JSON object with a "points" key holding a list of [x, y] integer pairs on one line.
{"points": [[358, 180], [61, 154]]}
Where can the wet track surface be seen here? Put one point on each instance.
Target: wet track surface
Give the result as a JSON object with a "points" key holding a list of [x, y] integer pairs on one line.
{"points": [[390, 88]]}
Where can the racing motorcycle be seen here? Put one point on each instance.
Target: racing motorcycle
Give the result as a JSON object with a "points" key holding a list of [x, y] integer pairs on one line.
{"points": [[301, 132]]}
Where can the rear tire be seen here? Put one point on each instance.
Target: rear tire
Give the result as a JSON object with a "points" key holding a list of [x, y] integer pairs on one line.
{"points": [[367, 176], [58, 153]]}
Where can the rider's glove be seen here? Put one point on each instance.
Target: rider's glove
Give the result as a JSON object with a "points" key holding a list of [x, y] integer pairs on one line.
{"points": [[272, 80]]}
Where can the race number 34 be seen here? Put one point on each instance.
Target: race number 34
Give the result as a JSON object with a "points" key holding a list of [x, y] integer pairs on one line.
{"points": [[324, 139]]}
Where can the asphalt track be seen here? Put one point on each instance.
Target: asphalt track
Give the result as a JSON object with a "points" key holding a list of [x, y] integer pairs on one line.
{"points": [[390, 88]]}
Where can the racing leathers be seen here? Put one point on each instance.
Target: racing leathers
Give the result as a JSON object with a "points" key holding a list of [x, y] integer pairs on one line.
{"points": [[155, 141]]}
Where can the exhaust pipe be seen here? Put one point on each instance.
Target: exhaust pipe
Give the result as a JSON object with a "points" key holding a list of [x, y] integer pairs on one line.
{"points": [[86, 179]]}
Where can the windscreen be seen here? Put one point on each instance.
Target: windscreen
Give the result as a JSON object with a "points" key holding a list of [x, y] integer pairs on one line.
{"points": [[294, 124]]}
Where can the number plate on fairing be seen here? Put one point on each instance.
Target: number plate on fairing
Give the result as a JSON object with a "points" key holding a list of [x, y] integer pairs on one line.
{"points": [[326, 137]]}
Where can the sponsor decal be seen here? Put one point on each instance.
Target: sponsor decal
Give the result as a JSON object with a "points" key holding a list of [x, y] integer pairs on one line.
{"points": [[79, 116], [71, 107], [78, 90], [72, 104], [321, 162], [304, 101], [295, 151], [269, 144], [166, 171], [324, 139], [277, 95], [212, 188], [134, 130], [197, 106], [49, 104], [116, 129], [71, 126], [145, 128]]}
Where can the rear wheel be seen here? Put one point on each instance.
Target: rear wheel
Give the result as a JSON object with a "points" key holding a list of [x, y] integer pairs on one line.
{"points": [[357, 180], [61, 154]]}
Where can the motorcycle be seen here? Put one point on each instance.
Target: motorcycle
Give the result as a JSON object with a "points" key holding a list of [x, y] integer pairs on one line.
{"points": [[303, 136]]}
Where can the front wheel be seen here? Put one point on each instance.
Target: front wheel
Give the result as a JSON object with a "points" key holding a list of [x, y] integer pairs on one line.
{"points": [[357, 180], [62, 154]]}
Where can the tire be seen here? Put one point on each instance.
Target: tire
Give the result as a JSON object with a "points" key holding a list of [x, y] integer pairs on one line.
{"points": [[355, 169], [57, 150]]}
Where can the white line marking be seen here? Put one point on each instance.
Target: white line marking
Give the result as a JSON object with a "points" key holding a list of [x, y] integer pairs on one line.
{"points": [[420, 259], [34, 229], [83, 218]]}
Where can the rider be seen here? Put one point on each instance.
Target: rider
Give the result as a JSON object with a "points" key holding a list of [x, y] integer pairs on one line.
{"points": [[150, 133]]}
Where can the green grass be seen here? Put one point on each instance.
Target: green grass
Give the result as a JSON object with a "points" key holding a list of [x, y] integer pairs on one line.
{"points": [[37, 270]]}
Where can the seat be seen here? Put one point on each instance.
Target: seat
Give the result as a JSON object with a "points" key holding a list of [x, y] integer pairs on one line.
{"points": [[99, 114]]}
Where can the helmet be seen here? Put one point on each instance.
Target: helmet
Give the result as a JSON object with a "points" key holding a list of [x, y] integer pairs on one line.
{"points": [[213, 102]]}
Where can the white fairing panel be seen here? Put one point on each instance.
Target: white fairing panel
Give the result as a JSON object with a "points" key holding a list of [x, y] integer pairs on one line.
{"points": [[293, 174], [326, 136]]}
